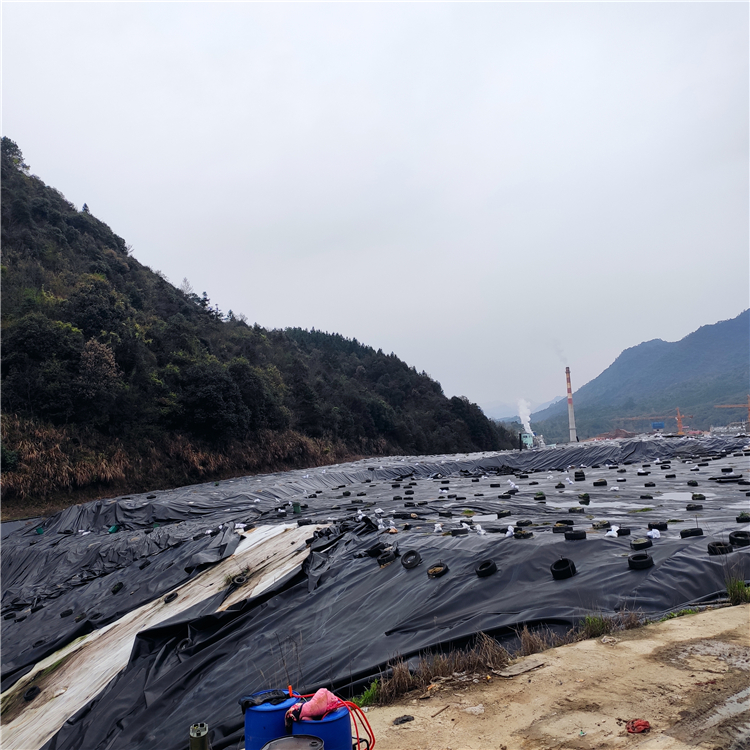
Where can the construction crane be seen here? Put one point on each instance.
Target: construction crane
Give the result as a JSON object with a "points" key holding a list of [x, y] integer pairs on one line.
{"points": [[679, 417], [736, 406]]}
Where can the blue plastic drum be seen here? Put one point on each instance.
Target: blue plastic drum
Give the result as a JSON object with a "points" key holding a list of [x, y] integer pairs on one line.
{"points": [[335, 729], [265, 722]]}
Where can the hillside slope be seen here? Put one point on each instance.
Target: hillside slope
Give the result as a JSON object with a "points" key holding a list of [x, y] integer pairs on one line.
{"points": [[709, 366], [116, 381]]}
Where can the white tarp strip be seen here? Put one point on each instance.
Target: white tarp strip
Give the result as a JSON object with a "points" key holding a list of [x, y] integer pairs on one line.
{"points": [[265, 555]]}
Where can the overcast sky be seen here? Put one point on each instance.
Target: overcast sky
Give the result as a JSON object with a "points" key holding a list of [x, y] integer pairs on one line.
{"points": [[491, 191]]}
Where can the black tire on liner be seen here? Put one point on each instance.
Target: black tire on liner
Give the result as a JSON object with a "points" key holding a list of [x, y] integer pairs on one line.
{"points": [[640, 561], [719, 548], [386, 557], [411, 559], [691, 532], [521, 534], [693, 506], [436, 571], [562, 569], [658, 525], [239, 580], [641, 543], [739, 538], [623, 532], [575, 534], [485, 568]]}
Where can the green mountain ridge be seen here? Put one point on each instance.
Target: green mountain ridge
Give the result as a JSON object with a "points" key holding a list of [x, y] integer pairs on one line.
{"points": [[709, 366], [116, 381]]}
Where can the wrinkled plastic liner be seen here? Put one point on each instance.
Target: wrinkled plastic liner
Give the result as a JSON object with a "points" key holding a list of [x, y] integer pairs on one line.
{"points": [[342, 621]]}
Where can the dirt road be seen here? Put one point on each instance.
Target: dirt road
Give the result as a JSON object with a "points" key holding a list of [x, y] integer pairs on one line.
{"points": [[689, 677]]}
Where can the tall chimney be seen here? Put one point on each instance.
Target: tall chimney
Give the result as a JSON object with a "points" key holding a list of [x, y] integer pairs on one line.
{"points": [[571, 416]]}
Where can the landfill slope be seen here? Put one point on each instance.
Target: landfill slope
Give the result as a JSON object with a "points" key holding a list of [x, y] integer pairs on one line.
{"points": [[344, 617], [263, 557]]}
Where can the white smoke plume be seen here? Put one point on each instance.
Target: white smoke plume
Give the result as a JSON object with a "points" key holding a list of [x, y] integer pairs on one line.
{"points": [[524, 412]]}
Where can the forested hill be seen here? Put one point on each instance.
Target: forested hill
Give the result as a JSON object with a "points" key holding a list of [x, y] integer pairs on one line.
{"points": [[113, 380], [709, 366]]}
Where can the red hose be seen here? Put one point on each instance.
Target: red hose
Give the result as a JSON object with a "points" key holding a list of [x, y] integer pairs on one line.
{"points": [[355, 712]]}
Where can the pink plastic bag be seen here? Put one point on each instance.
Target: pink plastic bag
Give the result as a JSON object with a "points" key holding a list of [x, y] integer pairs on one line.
{"points": [[320, 705]]}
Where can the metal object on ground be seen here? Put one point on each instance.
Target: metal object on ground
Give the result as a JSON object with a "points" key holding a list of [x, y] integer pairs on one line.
{"points": [[199, 737]]}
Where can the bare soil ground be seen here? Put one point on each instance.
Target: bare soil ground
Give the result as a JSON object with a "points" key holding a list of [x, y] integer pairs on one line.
{"points": [[688, 677]]}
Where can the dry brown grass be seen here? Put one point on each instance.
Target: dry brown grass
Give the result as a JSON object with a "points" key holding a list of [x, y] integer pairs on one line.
{"points": [[629, 620], [60, 466], [536, 641], [592, 626], [486, 654], [53, 460]]}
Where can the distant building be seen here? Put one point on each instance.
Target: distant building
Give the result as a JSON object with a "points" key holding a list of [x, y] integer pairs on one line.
{"points": [[530, 440]]}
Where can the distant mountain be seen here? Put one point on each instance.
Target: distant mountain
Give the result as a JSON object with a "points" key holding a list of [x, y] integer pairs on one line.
{"points": [[498, 409], [709, 366], [541, 407], [113, 380]]}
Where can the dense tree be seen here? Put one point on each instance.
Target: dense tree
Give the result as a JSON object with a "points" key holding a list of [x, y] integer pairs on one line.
{"points": [[93, 339], [12, 154], [99, 382]]}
